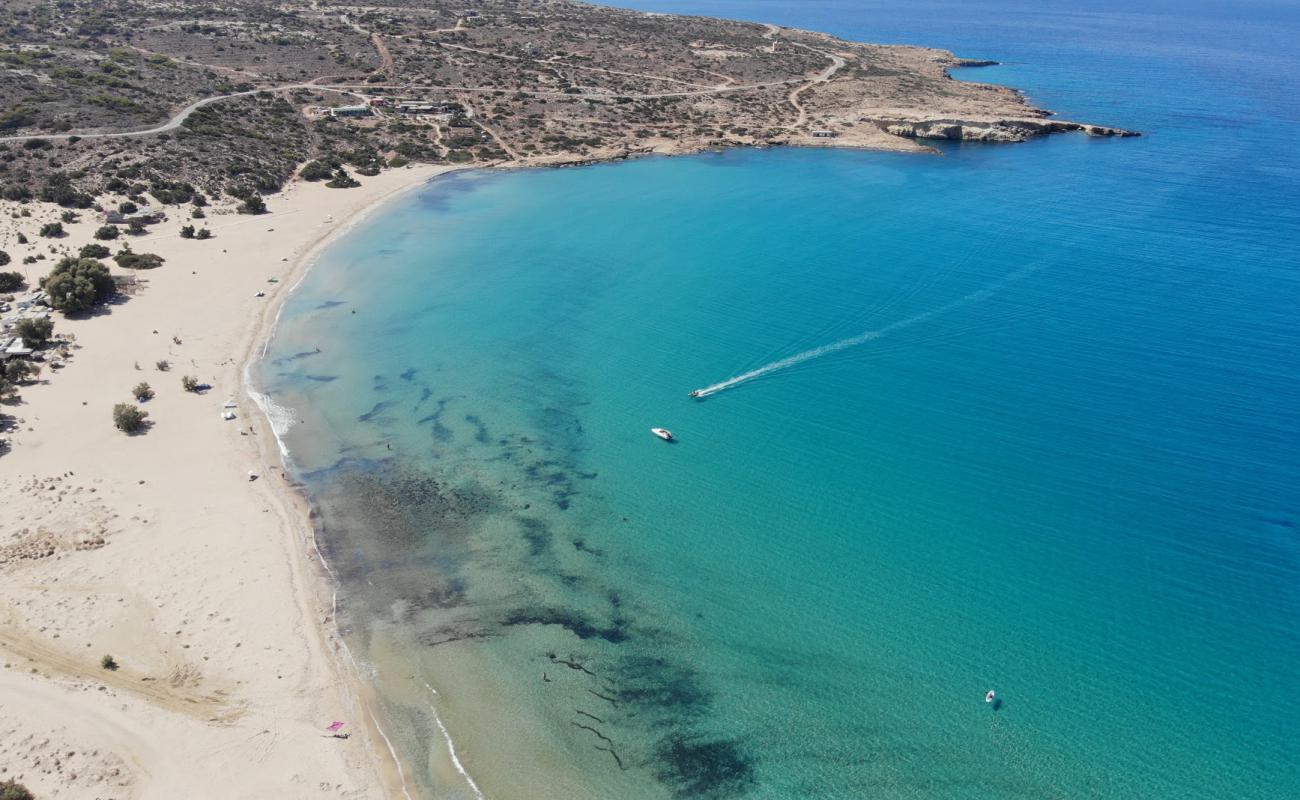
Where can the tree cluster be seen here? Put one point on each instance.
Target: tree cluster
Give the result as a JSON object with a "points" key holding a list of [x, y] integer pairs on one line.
{"points": [[78, 284]]}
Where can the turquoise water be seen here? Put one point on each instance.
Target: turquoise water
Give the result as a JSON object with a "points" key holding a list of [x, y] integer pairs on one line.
{"points": [[1072, 479]]}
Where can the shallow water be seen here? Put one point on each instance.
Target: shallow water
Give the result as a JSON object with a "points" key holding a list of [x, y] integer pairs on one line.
{"points": [[1071, 479]]}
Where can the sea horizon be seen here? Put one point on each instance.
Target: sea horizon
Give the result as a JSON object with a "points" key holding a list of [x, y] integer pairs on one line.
{"points": [[1015, 465]]}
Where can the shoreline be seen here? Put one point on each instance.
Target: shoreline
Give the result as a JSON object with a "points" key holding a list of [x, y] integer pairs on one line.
{"points": [[294, 495], [183, 546]]}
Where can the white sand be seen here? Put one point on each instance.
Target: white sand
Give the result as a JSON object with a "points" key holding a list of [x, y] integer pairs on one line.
{"points": [[202, 585]]}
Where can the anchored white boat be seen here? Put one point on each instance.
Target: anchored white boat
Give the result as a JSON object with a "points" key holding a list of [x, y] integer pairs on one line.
{"points": [[663, 433], [991, 696]]}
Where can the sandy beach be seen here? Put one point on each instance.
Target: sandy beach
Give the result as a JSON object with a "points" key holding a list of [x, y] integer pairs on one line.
{"points": [[158, 549]]}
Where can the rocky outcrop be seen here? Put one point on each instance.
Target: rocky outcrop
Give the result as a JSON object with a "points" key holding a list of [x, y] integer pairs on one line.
{"points": [[999, 130]]}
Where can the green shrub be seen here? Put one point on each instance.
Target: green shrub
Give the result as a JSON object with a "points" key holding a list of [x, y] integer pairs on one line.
{"points": [[95, 251], [107, 233], [52, 230], [342, 180], [35, 332], [190, 383], [187, 231], [203, 233], [17, 371], [142, 392], [109, 663], [315, 171], [128, 260], [253, 204], [4, 258], [11, 281], [128, 418], [13, 790]]}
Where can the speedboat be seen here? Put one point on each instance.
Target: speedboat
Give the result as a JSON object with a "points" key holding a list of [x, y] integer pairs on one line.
{"points": [[696, 393], [663, 433]]}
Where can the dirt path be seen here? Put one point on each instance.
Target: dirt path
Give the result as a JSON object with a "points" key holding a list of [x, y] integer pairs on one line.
{"points": [[478, 118], [837, 63]]}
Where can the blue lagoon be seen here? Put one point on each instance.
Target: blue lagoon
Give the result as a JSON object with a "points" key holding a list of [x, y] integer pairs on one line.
{"points": [[1063, 465]]}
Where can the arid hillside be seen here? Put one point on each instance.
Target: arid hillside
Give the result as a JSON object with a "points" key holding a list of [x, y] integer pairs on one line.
{"points": [[234, 96]]}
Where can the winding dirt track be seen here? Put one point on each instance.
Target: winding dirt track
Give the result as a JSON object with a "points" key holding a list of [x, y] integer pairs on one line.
{"points": [[184, 114]]}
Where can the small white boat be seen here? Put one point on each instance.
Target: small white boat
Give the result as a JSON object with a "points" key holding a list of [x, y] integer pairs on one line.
{"points": [[988, 698], [663, 433]]}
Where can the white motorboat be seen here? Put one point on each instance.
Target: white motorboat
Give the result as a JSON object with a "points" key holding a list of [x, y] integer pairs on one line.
{"points": [[663, 433], [991, 696]]}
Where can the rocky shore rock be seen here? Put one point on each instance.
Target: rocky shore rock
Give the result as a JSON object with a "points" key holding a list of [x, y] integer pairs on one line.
{"points": [[999, 130]]}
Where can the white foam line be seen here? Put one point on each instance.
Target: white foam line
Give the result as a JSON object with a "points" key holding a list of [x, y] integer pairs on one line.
{"points": [[451, 748]]}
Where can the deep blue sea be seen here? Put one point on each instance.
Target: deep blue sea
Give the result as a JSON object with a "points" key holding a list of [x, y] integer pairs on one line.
{"points": [[1067, 469]]}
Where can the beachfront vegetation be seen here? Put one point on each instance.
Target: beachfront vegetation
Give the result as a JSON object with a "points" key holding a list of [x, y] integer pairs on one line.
{"points": [[142, 392], [253, 204], [190, 383], [315, 171], [11, 281], [109, 663], [129, 260], [187, 231], [163, 365], [35, 332], [107, 232], [52, 230], [4, 258], [342, 180], [135, 227], [95, 251], [13, 790], [78, 284], [203, 233], [20, 371], [128, 418]]}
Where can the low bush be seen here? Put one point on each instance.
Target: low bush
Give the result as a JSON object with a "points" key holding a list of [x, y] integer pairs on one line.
{"points": [[142, 392], [128, 418], [107, 233], [11, 281], [129, 260], [190, 383], [95, 251]]}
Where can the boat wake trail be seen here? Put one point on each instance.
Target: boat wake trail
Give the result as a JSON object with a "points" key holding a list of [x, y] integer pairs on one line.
{"points": [[863, 338]]}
